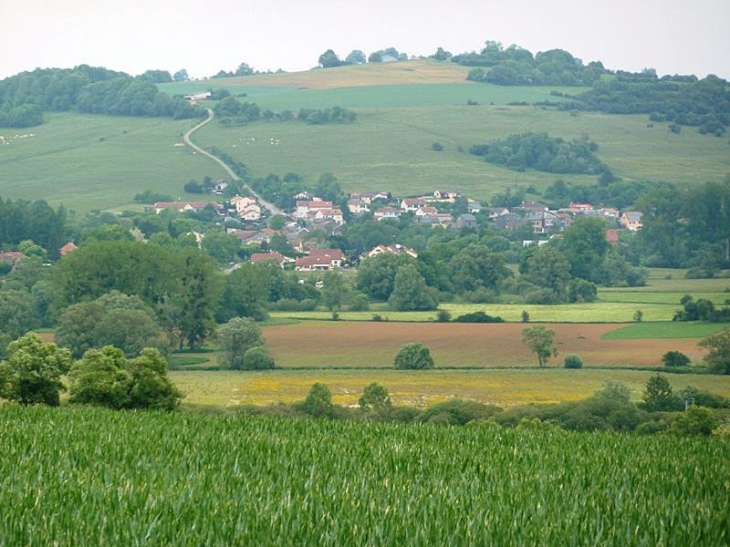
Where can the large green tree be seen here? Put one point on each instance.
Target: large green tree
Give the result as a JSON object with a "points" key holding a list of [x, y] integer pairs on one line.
{"points": [[584, 246], [410, 291], [540, 340], [235, 338], [200, 289], [105, 377], [376, 276], [477, 267], [718, 355], [548, 268], [32, 372], [413, 356]]}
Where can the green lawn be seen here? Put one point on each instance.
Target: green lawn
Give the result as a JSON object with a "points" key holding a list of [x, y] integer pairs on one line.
{"points": [[99, 162], [640, 331]]}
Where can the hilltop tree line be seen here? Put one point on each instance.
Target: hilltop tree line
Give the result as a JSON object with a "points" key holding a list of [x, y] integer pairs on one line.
{"points": [[24, 97]]}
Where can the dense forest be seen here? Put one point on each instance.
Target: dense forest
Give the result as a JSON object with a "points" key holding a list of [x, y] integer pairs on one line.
{"points": [[95, 90]]}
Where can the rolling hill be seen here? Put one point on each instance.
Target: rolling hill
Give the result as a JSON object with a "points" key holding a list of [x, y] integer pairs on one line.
{"points": [[99, 162]]}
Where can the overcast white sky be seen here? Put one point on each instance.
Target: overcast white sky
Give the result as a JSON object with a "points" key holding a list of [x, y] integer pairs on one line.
{"points": [[672, 36]]}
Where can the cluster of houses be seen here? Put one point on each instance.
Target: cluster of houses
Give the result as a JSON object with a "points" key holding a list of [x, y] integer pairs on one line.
{"points": [[314, 214], [543, 220]]}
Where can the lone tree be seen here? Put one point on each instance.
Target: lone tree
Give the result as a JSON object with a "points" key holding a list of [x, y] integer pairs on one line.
{"points": [[375, 398], [413, 356], [32, 372], [319, 401], [540, 340]]}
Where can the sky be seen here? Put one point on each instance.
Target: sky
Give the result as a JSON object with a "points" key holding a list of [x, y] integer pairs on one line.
{"points": [[670, 36]]}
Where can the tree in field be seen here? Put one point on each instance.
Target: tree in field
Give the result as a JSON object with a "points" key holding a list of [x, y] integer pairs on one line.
{"points": [[410, 291], [413, 356], [329, 59], [32, 372], [718, 356], [319, 401], [356, 57], [658, 394], [181, 75], [695, 421], [540, 340], [235, 338], [675, 359], [258, 358], [375, 398], [105, 377]]}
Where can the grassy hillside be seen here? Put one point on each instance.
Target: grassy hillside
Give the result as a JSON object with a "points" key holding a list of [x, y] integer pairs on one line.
{"points": [[91, 162], [97, 162]]}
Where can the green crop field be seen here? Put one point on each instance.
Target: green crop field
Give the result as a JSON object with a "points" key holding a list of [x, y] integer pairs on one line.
{"points": [[98, 162], [94, 477], [642, 331]]}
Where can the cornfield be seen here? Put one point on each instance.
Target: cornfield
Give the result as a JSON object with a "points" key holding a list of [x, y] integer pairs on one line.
{"points": [[79, 476]]}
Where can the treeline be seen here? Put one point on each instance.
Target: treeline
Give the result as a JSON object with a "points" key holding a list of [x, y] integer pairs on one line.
{"points": [[609, 409], [682, 100], [24, 97], [686, 228], [517, 66], [544, 153], [37, 221], [231, 111]]}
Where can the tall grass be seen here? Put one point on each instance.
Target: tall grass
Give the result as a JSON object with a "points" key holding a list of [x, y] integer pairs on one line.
{"points": [[94, 477]]}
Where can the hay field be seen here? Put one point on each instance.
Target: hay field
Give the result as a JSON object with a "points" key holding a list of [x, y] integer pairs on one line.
{"points": [[501, 387]]}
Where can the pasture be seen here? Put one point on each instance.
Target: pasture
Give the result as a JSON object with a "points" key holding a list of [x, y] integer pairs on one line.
{"points": [[90, 162], [501, 387], [391, 148], [80, 476]]}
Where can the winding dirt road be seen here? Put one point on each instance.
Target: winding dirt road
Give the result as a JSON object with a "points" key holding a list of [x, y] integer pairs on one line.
{"points": [[270, 206]]}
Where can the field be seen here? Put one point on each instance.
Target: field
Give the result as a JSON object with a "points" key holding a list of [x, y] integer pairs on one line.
{"points": [[501, 387], [390, 148], [89, 476], [98, 162]]}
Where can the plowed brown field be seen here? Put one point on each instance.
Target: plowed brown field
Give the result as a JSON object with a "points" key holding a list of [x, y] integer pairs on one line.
{"points": [[372, 344]]}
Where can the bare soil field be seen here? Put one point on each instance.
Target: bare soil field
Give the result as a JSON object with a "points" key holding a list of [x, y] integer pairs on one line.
{"points": [[324, 344]]}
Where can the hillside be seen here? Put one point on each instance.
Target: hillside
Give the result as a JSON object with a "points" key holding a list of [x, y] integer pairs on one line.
{"points": [[90, 161]]}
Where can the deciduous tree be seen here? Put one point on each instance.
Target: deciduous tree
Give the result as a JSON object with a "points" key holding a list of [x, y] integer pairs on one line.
{"points": [[540, 340]]}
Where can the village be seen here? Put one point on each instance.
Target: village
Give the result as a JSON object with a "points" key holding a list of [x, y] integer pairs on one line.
{"points": [[314, 219]]}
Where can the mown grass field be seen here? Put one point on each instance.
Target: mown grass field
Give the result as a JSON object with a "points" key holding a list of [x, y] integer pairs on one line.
{"points": [[93, 477], [502, 387], [98, 162]]}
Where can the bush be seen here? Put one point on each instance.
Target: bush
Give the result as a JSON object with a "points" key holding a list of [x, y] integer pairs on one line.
{"points": [[573, 361], [478, 317], [318, 402], [675, 359], [413, 356], [695, 421], [443, 316], [375, 398], [257, 358], [458, 412]]}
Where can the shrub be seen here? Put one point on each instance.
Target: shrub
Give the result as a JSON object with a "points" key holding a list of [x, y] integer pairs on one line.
{"points": [[413, 356], [695, 421], [318, 402], [257, 358], [375, 398], [443, 316], [458, 412], [478, 317], [573, 361], [675, 359]]}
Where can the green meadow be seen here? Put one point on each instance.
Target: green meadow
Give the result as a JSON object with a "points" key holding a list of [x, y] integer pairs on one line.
{"points": [[90, 162]]}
